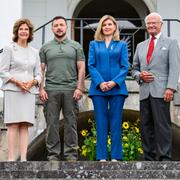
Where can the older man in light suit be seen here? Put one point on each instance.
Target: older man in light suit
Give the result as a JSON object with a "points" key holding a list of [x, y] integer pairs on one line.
{"points": [[156, 68]]}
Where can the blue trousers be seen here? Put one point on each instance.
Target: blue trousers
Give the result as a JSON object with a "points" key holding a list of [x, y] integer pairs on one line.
{"points": [[108, 108]]}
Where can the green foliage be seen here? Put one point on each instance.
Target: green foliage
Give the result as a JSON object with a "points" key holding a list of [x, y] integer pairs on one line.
{"points": [[132, 147]]}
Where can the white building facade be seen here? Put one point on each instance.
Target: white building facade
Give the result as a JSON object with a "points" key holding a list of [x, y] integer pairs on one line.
{"points": [[41, 11]]}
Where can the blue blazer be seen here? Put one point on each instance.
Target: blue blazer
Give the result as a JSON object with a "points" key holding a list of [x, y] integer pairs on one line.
{"points": [[108, 64]]}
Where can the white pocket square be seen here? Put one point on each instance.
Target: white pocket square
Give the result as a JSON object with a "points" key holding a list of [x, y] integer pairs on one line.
{"points": [[164, 48]]}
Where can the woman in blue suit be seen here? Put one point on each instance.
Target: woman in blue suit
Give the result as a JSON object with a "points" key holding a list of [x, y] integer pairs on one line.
{"points": [[108, 67]]}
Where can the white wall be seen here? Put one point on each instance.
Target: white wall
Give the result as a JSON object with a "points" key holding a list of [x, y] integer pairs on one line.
{"points": [[40, 12], [11, 10], [170, 9]]}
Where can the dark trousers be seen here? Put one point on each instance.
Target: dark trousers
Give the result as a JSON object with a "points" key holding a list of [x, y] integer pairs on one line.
{"points": [[58, 100], [156, 129], [112, 107]]}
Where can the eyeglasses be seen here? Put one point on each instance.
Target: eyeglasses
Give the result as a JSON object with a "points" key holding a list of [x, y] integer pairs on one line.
{"points": [[152, 23]]}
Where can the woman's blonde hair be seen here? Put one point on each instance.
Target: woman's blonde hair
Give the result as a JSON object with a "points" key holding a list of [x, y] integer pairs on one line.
{"points": [[16, 26], [99, 35]]}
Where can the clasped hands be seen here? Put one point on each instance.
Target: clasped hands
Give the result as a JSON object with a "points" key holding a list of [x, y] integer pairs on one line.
{"points": [[25, 86], [106, 86]]}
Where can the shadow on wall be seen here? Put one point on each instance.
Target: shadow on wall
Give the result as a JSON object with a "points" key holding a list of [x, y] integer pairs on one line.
{"points": [[37, 149]]}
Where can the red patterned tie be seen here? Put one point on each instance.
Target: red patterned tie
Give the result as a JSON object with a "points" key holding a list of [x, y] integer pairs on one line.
{"points": [[150, 49]]}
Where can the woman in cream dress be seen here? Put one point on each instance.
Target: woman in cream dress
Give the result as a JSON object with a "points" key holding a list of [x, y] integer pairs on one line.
{"points": [[21, 73]]}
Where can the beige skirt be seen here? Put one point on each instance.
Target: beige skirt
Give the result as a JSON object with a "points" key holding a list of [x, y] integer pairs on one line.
{"points": [[19, 107]]}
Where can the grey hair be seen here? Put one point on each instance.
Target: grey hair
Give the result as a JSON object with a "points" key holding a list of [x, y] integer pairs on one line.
{"points": [[153, 14]]}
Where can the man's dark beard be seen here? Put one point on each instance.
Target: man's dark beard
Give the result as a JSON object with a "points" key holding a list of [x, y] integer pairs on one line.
{"points": [[60, 37]]}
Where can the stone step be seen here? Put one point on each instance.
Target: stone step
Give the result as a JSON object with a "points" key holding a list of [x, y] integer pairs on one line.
{"points": [[89, 170]]}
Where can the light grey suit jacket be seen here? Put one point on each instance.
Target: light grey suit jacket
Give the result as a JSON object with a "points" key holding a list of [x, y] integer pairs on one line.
{"points": [[20, 63], [164, 65]]}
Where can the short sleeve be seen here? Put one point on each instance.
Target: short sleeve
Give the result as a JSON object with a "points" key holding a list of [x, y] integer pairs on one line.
{"points": [[80, 53]]}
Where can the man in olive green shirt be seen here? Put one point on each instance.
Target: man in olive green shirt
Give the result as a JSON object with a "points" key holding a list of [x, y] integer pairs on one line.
{"points": [[63, 69]]}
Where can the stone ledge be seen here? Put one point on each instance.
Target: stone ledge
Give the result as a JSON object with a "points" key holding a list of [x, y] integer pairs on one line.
{"points": [[90, 170]]}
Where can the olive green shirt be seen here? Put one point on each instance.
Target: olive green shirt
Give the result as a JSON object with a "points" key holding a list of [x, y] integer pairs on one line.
{"points": [[61, 59]]}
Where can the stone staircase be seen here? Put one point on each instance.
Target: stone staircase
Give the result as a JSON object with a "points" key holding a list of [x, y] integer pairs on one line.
{"points": [[89, 170]]}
